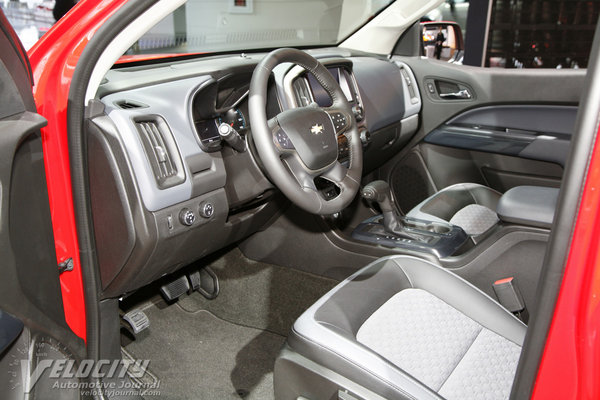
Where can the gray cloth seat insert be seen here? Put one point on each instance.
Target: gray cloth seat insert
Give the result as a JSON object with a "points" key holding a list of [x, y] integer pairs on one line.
{"points": [[441, 347]]}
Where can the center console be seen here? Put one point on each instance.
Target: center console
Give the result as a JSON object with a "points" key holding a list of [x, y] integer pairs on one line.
{"points": [[439, 239], [393, 230]]}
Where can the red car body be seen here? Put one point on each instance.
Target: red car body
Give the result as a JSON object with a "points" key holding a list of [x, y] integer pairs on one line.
{"points": [[53, 60], [570, 367]]}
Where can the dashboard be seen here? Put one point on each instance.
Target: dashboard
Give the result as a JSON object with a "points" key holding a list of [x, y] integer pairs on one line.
{"points": [[172, 190]]}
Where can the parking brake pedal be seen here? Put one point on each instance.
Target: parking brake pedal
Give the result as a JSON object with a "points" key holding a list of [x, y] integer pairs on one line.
{"points": [[174, 290], [137, 320], [205, 282]]}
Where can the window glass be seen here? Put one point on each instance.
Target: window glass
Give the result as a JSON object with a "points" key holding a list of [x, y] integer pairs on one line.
{"points": [[541, 33], [206, 26], [519, 33], [30, 18]]}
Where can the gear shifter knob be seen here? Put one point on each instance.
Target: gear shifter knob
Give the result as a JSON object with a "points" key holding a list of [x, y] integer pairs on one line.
{"points": [[379, 191]]}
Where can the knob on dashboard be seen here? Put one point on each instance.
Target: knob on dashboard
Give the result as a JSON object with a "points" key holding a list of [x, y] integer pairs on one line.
{"points": [[187, 217], [206, 209]]}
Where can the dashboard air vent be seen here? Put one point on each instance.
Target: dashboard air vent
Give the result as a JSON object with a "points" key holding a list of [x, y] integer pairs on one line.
{"points": [[410, 85], [302, 92], [161, 151], [129, 104]]}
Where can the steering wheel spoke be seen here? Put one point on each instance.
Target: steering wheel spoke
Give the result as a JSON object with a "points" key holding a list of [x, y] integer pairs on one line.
{"points": [[336, 173], [304, 177]]}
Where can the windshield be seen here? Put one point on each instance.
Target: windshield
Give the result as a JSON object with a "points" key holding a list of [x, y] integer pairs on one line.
{"points": [[205, 26]]}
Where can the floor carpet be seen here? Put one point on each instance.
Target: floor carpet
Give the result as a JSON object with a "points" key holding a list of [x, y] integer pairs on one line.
{"points": [[199, 356], [225, 348], [257, 294]]}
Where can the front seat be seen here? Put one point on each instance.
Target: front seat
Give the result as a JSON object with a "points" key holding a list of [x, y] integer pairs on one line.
{"points": [[401, 328], [468, 205]]}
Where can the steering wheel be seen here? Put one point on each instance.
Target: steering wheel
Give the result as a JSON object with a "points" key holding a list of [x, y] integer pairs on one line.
{"points": [[300, 144]]}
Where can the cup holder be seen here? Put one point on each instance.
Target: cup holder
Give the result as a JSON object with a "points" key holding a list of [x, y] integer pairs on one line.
{"points": [[434, 227]]}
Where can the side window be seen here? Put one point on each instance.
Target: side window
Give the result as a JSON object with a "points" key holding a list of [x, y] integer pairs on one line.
{"points": [[31, 19], [512, 33]]}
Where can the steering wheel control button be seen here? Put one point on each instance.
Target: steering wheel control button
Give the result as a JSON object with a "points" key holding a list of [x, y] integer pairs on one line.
{"points": [[339, 121], [283, 140], [343, 147], [187, 217], [207, 210]]}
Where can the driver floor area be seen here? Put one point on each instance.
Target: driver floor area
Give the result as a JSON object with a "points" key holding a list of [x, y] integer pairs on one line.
{"points": [[224, 348], [196, 355]]}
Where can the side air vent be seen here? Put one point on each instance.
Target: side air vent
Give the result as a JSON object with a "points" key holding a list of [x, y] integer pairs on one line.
{"points": [[412, 90], [302, 92], [129, 104], [161, 151]]}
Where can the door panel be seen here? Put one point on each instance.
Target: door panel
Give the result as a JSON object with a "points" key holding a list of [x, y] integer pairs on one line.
{"points": [[32, 322], [428, 168], [512, 129], [538, 132]]}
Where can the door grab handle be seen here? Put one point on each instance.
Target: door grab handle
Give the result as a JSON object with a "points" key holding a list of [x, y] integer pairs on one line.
{"points": [[461, 94]]}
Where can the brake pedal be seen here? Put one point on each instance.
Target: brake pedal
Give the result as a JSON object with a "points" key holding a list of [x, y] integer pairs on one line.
{"points": [[137, 320], [205, 282], [175, 289]]}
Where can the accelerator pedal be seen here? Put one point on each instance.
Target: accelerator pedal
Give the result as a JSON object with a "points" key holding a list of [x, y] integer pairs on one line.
{"points": [[205, 282]]}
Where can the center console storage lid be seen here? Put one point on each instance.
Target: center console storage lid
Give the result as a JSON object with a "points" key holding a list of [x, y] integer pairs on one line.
{"points": [[528, 205]]}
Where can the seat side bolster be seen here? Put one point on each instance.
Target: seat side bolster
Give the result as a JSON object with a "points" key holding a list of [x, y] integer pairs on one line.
{"points": [[463, 296], [326, 332]]}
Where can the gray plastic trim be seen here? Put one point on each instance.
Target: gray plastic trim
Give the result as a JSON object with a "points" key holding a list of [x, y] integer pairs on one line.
{"points": [[411, 107], [295, 374], [172, 101], [529, 205]]}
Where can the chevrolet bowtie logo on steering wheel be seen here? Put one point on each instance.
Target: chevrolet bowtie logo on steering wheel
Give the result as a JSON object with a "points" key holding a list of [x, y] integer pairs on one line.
{"points": [[316, 129]]}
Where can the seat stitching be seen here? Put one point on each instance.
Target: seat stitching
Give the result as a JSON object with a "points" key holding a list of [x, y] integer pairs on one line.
{"points": [[462, 358]]}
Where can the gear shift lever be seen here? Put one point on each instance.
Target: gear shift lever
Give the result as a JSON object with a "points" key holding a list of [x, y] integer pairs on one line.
{"points": [[379, 191]]}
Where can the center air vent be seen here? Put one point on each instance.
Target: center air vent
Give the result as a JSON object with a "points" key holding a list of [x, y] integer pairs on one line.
{"points": [[161, 150], [302, 92]]}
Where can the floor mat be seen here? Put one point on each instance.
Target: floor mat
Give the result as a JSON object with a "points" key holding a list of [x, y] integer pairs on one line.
{"points": [[257, 294], [196, 355]]}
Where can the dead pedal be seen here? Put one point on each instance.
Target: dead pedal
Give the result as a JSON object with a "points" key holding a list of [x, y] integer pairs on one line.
{"points": [[205, 282], [137, 320]]}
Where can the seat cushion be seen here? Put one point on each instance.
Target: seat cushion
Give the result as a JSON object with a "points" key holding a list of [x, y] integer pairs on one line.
{"points": [[468, 205], [406, 328], [440, 346]]}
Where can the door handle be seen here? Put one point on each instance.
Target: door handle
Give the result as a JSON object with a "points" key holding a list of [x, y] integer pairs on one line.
{"points": [[461, 94]]}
